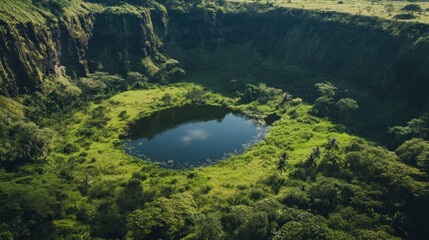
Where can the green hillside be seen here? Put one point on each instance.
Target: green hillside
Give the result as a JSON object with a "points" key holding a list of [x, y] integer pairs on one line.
{"points": [[341, 90]]}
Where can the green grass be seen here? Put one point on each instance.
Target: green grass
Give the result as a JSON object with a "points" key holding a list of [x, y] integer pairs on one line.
{"points": [[383, 9], [11, 108], [24, 11], [297, 133]]}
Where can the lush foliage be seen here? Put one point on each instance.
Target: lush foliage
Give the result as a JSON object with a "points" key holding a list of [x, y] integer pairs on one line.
{"points": [[325, 104], [305, 181], [64, 173]]}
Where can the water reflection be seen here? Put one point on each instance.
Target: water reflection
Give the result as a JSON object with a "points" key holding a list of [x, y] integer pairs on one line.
{"points": [[191, 136]]}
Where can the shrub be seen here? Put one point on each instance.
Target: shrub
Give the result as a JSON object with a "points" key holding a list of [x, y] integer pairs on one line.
{"points": [[411, 8], [257, 194], [123, 115], [208, 227], [275, 181], [196, 96], [404, 16], [415, 152], [326, 89], [296, 101], [261, 92], [70, 148], [205, 189], [163, 218], [24, 142], [323, 106], [296, 197], [167, 99], [346, 107], [139, 175]]}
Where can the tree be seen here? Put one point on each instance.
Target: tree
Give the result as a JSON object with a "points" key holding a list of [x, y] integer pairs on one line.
{"points": [[287, 97], [236, 217], [134, 77], [131, 196], [167, 99], [255, 228], [415, 152], [322, 106], [275, 181], [315, 154], [324, 103], [411, 8], [25, 142], [332, 145], [244, 222], [326, 89], [163, 218], [208, 228], [26, 210], [91, 87], [415, 128], [297, 229], [281, 165], [251, 93], [196, 96], [347, 107]]}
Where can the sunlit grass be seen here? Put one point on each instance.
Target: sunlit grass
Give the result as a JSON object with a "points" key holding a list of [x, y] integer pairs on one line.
{"points": [[296, 133], [384, 9], [11, 108]]}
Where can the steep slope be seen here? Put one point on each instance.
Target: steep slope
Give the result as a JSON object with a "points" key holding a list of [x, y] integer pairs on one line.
{"points": [[32, 50], [390, 58]]}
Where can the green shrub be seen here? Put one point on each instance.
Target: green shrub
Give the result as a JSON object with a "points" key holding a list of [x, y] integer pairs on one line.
{"points": [[415, 152], [205, 189], [275, 181], [70, 148], [295, 197], [163, 218], [257, 194], [23, 142]]}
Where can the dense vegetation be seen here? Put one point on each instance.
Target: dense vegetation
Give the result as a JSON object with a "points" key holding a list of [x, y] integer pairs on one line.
{"points": [[64, 173]]}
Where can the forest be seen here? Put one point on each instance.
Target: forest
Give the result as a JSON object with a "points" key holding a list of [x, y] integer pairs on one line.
{"points": [[324, 110]]}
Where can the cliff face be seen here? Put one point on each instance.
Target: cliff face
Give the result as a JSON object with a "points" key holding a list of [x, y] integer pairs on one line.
{"points": [[31, 52], [121, 41], [390, 58]]}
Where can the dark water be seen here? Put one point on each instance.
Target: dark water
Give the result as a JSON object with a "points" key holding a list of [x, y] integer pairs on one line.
{"points": [[192, 136]]}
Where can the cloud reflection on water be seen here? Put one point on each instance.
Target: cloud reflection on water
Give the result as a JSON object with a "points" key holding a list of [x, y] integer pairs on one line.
{"points": [[194, 134]]}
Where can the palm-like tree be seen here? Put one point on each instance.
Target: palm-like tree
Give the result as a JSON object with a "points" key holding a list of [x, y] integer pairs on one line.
{"points": [[281, 165], [315, 154], [287, 97], [332, 145], [285, 156]]}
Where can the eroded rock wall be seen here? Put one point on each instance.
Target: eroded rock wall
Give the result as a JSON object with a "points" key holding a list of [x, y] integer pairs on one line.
{"points": [[29, 53], [390, 58]]}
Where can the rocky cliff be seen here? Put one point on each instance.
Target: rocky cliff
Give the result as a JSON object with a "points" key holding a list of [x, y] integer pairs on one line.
{"points": [[117, 40], [391, 58]]}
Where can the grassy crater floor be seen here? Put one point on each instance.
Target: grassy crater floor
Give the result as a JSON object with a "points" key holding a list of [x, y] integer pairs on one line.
{"points": [[383, 9], [88, 185], [296, 131]]}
